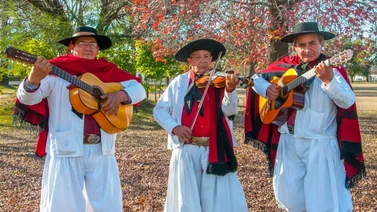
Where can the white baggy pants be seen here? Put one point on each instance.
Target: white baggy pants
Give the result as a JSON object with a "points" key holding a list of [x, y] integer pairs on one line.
{"points": [[191, 189], [68, 182], [309, 176]]}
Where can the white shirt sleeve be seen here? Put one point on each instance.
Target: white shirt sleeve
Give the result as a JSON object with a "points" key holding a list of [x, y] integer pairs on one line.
{"points": [[164, 108], [32, 98], [230, 103], [135, 90], [339, 91], [260, 85]]}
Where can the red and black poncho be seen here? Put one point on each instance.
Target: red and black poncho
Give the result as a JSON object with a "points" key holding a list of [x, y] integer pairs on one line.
{"points": [[266, 136]]}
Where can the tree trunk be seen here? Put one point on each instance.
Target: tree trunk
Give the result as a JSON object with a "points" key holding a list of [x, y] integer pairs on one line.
{"points": [[53, 8], [155, 91], [159, 89], [251, 69], [278, 21], [167, 81], [279, 50]]}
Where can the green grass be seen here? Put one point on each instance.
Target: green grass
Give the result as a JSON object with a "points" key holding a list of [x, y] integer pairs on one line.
{"points": [[7, 89], [143, 116], [6, 118]]}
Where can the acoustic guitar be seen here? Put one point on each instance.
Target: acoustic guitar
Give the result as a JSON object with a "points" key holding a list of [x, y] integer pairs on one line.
{"points": [[85, 94], [288, 97]]}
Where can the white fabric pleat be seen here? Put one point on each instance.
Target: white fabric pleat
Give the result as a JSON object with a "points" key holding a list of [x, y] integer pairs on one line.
{"points": [[190, 188], [64, 180], [309, 176]]}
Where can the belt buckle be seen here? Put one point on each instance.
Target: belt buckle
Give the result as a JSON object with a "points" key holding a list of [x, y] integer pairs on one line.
{"points": [[93, 139], [291, 129], [200, 141]]}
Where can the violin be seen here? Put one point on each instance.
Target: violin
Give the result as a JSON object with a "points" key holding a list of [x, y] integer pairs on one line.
{"points": [[219, 80]]}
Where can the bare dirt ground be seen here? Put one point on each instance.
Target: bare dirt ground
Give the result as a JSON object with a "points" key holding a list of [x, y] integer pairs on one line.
{"points": [[144, 160]]}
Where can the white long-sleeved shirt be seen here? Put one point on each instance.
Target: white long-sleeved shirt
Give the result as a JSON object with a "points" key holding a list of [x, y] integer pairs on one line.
{"points": [[168, 110], [318, 117], [66, 129]]}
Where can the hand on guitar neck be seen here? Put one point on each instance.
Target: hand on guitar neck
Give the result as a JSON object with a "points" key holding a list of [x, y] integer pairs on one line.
{"points": [[324, 73], [40, 70]]}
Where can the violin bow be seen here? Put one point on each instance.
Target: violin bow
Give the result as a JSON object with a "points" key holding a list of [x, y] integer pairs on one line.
{"points": [[206, 89]]}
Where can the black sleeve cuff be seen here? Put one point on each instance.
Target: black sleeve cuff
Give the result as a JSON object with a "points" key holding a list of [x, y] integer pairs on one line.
{"points": [[129, 101]]}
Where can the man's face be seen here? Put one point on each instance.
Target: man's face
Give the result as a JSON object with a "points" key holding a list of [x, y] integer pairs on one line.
{"points": [[200, 61], [308, 47], [85, 47]]}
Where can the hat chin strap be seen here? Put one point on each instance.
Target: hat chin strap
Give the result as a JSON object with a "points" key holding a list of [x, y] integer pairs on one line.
{"points": [[83, 33]]}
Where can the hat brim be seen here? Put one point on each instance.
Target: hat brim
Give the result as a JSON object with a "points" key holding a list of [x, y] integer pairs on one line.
{"points": [[103, 41], [290, 38], [210, 45]]}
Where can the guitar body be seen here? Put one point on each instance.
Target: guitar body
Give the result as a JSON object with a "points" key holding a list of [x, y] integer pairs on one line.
{"points": [[270, 109], [87, 104]]}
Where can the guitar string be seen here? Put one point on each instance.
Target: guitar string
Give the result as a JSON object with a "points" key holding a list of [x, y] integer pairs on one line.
{"points": [[72, 79]]}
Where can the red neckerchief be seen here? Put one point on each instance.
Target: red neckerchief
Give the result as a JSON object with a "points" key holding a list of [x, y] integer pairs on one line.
{"points": [[266, 137], [38, 114], [187, 119]]}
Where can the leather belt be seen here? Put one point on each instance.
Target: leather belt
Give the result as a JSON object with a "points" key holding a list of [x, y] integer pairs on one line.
{"points": [[199, 141], [92, 139], [291, 129]]}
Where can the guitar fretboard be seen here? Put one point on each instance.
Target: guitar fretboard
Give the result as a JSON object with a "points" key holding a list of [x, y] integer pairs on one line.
{"points": [[29, 58], [301, 79], [72, 79]]}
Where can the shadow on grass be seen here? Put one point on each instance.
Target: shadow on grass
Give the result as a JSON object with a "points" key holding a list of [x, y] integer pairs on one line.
{"points": [[14, 145], [365, 91], [143, 117], [367, 123], [21, 168]]}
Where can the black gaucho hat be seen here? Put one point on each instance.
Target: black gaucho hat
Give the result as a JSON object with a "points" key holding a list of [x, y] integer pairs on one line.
{"points": [[210, 45], [103, 41], [306, 28]]}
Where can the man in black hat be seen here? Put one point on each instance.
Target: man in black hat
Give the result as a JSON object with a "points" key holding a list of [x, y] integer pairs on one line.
{"points": [[306, 149], [80, 162], [202, 175]]}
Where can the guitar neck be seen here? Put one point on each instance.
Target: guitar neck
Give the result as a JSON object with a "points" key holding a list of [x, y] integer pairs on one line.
{"points": [[338, 59], [22, 56], [72, 79], [300, 80]]}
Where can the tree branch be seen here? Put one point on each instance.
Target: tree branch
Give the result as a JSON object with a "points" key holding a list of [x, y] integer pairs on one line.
{"points": [[53, 8]]}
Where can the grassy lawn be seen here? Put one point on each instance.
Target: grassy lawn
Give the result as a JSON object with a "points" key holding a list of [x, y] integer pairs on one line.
{"points": [[7, 89]]}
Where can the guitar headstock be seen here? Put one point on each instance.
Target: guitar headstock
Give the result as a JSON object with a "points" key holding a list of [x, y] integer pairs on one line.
{"points": [[22, 56], [341, 58]]}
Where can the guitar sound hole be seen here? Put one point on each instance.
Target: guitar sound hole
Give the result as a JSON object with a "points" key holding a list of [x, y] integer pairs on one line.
{"points": [[97, 93], [279, 102]]}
